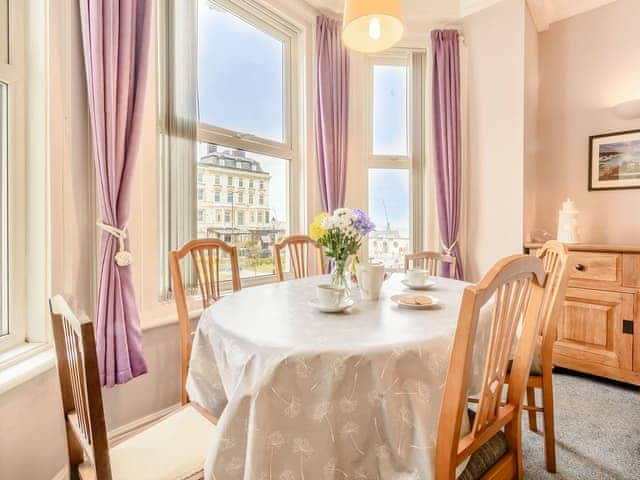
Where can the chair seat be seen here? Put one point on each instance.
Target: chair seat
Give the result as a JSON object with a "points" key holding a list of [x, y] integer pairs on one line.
{"points": [[173, 449], [536, 367], [486, 456]]}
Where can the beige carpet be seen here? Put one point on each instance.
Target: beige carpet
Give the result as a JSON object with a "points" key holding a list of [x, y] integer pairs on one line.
{"points": [[597, 431]]}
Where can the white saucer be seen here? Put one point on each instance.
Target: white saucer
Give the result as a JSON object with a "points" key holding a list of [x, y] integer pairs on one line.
{"points": [[426, 286], [397, 300], [346, 303]]}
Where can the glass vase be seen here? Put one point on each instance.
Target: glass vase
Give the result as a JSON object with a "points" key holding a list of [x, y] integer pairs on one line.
{"points": [[338, 277]]}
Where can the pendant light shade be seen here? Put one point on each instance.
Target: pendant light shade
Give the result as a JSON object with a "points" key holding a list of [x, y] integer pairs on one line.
{"points": [[372, 25]]}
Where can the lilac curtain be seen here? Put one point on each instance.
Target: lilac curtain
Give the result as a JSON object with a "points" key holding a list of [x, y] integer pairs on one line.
{"points": [[332, 111], [116, 35], [447, 139]]}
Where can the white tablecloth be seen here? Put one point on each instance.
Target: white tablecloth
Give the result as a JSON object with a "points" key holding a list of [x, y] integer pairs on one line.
{"points": [[307, 395]]}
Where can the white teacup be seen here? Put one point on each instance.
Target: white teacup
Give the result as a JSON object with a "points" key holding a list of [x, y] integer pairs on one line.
{"points": [[417, 277], [330, 296]]}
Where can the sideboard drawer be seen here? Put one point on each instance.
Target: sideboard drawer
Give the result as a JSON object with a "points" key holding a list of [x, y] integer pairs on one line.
{"points": [[596, 268]]}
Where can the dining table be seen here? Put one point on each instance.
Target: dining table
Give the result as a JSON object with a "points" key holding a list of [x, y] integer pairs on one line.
{"points": [[304, 395]]}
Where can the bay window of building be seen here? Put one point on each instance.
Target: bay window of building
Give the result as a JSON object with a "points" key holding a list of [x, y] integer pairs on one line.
{"points": [[246, 129], [396, 155], [247, 108]]}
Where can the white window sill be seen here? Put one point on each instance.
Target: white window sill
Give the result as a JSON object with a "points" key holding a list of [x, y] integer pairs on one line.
{"points": [[24, 362]]}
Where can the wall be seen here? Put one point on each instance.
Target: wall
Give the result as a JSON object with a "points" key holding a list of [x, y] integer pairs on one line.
{"points": [[495, 198], [531, 116], [588, 63]]}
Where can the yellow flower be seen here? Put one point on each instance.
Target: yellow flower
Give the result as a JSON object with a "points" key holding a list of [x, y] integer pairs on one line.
{"points": [[316, 232]]}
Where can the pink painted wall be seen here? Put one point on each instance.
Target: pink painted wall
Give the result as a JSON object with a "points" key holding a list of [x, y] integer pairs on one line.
{"points": [[588, 63]]}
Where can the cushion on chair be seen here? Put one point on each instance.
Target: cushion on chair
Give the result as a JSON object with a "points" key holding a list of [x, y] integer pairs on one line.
{"points": [[486, 456], [173, 449], [536, 367]]}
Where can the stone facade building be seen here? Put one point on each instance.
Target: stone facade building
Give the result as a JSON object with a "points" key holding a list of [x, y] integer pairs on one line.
{"points": [[233, 199]]}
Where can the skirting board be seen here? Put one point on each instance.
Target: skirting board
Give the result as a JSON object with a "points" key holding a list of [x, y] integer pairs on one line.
{"points": [[129, 428]]}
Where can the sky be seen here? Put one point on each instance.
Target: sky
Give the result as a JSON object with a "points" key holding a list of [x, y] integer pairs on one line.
{"points": [[389, 188], [240, 84]]}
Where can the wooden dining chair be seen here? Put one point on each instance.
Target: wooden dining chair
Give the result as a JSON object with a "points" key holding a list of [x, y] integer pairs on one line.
{"points": [[557, 265], [301, 248], [207, 255], [430, 261], [493, 445], [174, 447]]}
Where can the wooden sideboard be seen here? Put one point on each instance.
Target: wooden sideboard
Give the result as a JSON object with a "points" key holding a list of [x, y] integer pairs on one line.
{"points": [[599, 330]]}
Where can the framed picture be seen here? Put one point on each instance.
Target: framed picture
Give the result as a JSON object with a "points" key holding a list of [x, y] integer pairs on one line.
{"points": [[614, 161]]}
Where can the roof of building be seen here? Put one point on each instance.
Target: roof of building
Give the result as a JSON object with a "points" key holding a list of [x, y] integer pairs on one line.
{"points": [[230, 160]]}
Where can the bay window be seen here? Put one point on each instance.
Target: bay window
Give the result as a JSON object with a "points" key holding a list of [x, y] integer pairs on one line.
{"points": [[247, 145], [396, 155]]}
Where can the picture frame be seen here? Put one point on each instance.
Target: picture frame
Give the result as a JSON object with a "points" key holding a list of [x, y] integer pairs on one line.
{"points": [[614, 161]]}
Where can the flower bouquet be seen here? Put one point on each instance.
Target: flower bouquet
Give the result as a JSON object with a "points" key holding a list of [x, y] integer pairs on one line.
{"points": [[341, 235]]}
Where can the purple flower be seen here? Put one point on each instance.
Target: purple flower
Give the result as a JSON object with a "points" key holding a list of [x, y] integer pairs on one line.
{"points": [[362, 223]]}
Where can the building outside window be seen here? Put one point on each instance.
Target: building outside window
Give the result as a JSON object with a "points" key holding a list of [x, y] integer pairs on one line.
{"points": [[251, 199], [216, 196], [201, 194], [240, 180], [240, 197], [217, 182], [230, 181], [200, 215], [229, 197], [261, 199], [251, 183]]}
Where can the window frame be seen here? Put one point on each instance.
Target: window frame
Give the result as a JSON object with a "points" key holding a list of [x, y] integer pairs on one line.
{"points": [[290, 150], [394, 58], [414, 161], [270, 23], [13, 181]]}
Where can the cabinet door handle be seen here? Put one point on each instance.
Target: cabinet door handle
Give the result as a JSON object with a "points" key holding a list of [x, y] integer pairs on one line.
{"points": [[580, 267]]}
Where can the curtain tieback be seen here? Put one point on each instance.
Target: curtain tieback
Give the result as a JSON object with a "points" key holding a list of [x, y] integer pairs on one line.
{"points": [[123, 257], [449, 250]]}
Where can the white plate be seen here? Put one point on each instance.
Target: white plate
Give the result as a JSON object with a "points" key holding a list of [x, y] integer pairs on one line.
{"points": [[430, 284], [346, 303], [396, 299]]}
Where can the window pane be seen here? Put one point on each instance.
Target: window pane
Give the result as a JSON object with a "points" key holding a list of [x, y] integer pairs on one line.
{"points": [[389, 209], [389, 110], [240, 75], [228, 212], [4, 318]]}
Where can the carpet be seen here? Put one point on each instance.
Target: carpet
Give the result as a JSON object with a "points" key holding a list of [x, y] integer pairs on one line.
{"points": [[597, 431]]}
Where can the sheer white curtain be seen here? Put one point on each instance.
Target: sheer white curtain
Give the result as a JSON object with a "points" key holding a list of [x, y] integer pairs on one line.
{"points": [[178, 112]]}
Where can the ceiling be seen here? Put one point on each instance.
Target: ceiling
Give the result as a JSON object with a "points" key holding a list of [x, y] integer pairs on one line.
{"points": [[423, 13]]}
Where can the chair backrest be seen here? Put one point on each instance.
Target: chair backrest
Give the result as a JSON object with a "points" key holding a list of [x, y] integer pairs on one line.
{"points": [[301, 248], [430, 261], [557, 265], [80, 385], [515, 285], [207, 255]]}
